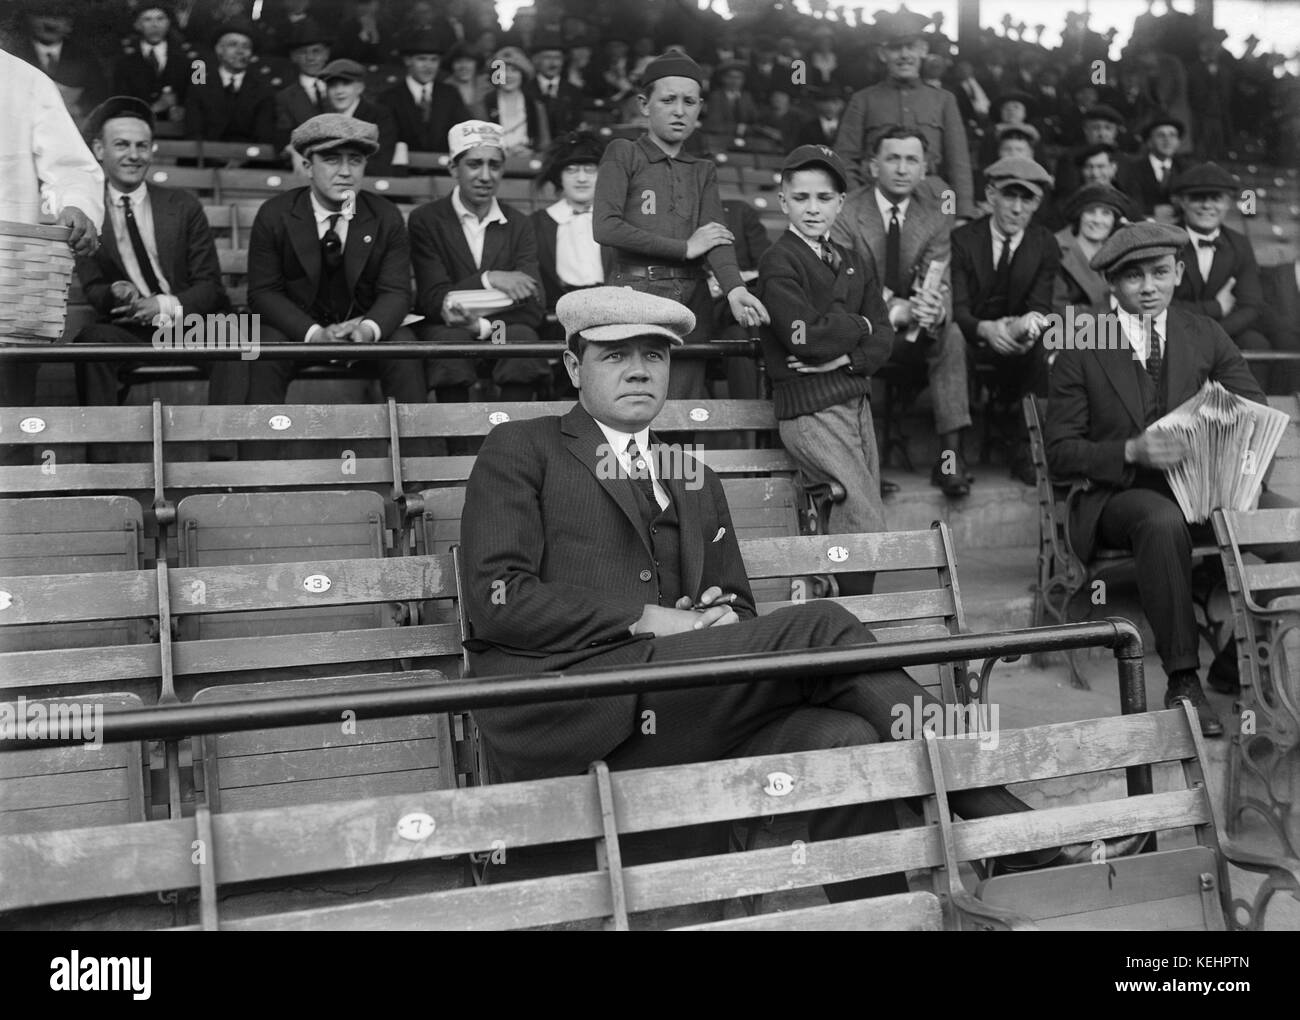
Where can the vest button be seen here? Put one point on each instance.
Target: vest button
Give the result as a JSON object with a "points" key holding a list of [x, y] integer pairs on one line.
{"points": [[645, 575]]}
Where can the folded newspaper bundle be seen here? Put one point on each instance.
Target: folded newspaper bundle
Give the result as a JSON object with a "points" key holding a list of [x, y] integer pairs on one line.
{"points": [[1230, 443]]}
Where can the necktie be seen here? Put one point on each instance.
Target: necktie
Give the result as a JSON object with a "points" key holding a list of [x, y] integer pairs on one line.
{"points": [[137, 246], [51, 62], [426, 102], [1163, 172], [1002, 277], [829, 255], [231, 88], [155, 60], [639, 472], [331, 245], [1156, 368], [320, 97], [892, 246], [1205, 242]]}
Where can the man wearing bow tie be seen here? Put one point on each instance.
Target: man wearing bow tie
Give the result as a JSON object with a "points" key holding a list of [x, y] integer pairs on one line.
{"points": [[1221, 279]]}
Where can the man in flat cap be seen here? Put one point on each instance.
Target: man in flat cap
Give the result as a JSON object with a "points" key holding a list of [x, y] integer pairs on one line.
{"points": [[330, 263], [470, 241], [659, 209], [231, 105], [1003, 270], [424, 108], [157, 259], [1103, 402], [903, 99], [1220, 275], [589, 544]]}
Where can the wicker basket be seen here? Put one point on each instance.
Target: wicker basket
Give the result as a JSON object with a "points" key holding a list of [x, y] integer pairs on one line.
{"points": [[35, 273]]}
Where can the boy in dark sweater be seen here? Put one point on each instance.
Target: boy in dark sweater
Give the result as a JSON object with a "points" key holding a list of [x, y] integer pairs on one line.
{"points": [[830, 332]]}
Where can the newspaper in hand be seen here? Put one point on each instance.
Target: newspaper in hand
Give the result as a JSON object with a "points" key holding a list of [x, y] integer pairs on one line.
{"points": [[1230, 444], [932, 281]]}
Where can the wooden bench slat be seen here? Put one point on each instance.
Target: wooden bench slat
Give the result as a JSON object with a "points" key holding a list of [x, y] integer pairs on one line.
{"points": [[903, 605], [222, 655], [78, 478], [1271, 576], [328, 762], [911, 550], [63, 789], [63, 598], [1265, 527], [130, 424], [316, 791], [105, 813], [280, 474], [919, 911], [74, 664]]}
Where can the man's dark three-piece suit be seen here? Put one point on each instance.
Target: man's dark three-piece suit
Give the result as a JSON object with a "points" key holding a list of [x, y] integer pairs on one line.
{"points": [[563, 555], [1099, 400]]}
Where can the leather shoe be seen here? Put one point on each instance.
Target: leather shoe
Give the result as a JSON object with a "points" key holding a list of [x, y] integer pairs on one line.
{"points": [[1186, 685], [954, 485], [1075, 853], [888, 488], [1224, 675]]}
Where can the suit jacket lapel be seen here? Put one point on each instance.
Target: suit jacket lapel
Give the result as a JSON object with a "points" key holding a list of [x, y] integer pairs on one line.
{"points": [[108, 242], [984, 267], [361, 233], [303, 236], [1118, 366], [456, 236], [584, 439], [494, 243], [689, 535], [873, 230], [1180, 363], [164, 233]]}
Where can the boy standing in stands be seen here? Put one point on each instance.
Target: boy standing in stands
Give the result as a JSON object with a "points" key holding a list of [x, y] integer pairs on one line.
{"points": [[659, 209], [830, 332]]}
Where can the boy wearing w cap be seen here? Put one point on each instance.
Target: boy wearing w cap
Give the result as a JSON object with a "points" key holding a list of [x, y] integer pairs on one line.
{"points": [[830, 332], [659, 209]]}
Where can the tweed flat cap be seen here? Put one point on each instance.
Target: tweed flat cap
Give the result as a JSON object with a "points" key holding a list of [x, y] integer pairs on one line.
{"points": [[348, 70], [1018, 170], [468, 133], [605, 314], [1135, 242], [672, 65], [817, 155], [1204, 177], [116, 106], [329, 131]]}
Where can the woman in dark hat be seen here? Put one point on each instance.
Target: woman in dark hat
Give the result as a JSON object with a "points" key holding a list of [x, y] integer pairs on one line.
{"points": [[465, 75], [569, 256], [1092, 214]]}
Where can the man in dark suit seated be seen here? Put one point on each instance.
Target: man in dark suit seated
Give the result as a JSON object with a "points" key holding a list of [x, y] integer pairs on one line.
{"points": [[561, 100], [1003, 269], [156, 260], [469, 241], [1103, 403], [345, 85], [72, 65], [330, 263], [1220, 278], [1147, 176], [231, 105], [424, 108], [156, 65], [587, 544]]}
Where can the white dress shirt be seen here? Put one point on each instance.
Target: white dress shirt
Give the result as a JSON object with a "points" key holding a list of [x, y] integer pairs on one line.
{"points": [[618, 443], [577, 255], [1161, 168], [475, 231], [310, 85], [322, 216], [142, 210], [48, 52], [548, 86], [417, 90], [998, 238], [44, 163], [158, 49], [884, 203], [1204, 256], [1134, 327], [229, 78]]}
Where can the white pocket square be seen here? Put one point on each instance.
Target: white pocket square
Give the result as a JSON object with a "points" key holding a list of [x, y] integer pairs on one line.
{"points": [[718, 536]]}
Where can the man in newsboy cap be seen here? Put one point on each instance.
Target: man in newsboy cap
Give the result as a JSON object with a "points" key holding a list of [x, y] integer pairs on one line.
{"points": [[587, 543], [1103, 402], [330, 263]]}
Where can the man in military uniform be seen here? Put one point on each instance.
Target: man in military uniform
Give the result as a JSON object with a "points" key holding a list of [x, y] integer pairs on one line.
{"points": [[904, 100]]}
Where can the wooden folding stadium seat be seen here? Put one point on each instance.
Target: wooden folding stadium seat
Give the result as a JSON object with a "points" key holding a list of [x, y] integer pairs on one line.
{"points": [[168, 151], [1062, 574], [236, 154], [201, 182], [70, 535], [1283, 475], [1181, 883], [1263, 781], [434, 163], [234, 268], [224, 223], [522, 166], [405, 191], [70, 787], [238, 184]]}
